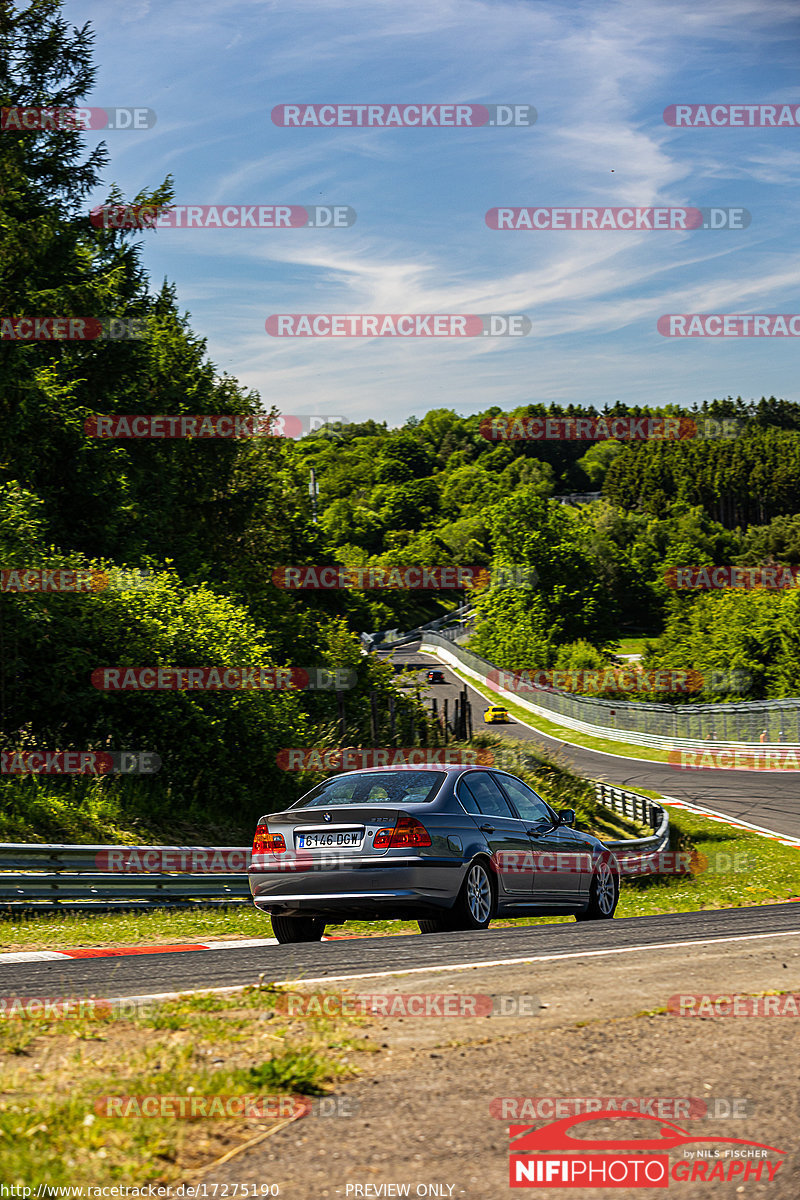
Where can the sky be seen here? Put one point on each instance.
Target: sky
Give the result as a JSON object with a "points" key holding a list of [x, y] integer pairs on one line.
{"points": [[599, 75]]}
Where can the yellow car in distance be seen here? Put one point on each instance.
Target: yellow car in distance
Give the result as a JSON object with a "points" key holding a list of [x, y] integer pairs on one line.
{"points": [[496, 715]]}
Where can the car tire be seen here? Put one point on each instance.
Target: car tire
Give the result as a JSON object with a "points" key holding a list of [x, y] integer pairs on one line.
{"points": [[603, 894], [297, 929], [434, 925], [477, 900]]}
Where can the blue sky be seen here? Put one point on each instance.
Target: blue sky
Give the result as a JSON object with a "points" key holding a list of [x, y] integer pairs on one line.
{"points": [[599, 75]]}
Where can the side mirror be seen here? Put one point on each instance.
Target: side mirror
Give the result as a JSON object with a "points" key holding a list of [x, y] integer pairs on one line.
{"points": [[566, 816]]}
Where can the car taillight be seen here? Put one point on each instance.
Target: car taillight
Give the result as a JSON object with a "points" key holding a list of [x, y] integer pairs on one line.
{"points": [[407, 832], [265, 842]]}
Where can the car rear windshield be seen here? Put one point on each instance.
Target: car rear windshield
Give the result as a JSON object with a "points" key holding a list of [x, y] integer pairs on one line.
{"points": [[378, 787]]}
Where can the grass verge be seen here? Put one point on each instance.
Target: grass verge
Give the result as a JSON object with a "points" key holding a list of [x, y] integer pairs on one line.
{"points": [[55, 1071]]}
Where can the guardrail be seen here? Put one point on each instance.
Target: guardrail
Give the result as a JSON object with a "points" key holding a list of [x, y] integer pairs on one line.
{"points": [[114, 878], [403, 639], [662, 726], [637, 856]]}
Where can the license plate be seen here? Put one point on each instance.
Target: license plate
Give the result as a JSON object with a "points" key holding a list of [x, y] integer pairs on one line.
{"points": [[308, 841]]}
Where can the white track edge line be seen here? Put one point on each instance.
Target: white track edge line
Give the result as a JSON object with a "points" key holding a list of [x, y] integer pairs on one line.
{"points": [[51, 955], [24, 956], [497, 962], [786, 838]]}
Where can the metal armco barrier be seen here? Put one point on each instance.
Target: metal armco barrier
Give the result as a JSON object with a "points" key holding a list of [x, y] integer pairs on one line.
{"points": [[638, 856], [663, 726], [437, 625], [104, 878]]}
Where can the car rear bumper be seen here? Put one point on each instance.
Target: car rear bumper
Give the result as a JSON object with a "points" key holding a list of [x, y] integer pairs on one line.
{"points": [[376, 887]]}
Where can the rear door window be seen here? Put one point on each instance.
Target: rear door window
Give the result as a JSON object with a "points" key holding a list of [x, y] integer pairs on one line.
{"points": [[530, 806], [485, 795]]}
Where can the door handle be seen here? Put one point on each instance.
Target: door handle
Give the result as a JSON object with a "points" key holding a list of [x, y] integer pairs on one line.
{"points": [[487, 828], [533, 832]]}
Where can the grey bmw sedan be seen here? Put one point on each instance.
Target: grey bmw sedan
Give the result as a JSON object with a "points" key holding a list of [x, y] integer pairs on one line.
{"points": [[450, 846]]}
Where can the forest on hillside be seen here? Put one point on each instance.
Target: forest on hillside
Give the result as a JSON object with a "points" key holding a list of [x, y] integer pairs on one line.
{"points": [[209, 521], [438, 491]]}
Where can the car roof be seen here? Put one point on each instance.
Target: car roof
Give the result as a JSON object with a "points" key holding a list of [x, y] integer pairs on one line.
{"points": [[453, 768]]}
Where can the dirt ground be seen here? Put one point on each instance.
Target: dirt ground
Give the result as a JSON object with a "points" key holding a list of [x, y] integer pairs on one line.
{"points": [[421, 1120]]}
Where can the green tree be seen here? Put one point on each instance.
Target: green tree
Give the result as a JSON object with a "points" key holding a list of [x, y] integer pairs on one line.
{"points": [[523, 626]]}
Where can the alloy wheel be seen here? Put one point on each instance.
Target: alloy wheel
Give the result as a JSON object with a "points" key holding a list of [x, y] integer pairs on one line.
{"points": [[479, 894], [605, 888]]}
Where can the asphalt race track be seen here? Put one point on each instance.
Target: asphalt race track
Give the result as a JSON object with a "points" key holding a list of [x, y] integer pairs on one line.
{"points": [[156, 974], [769, 799]]}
